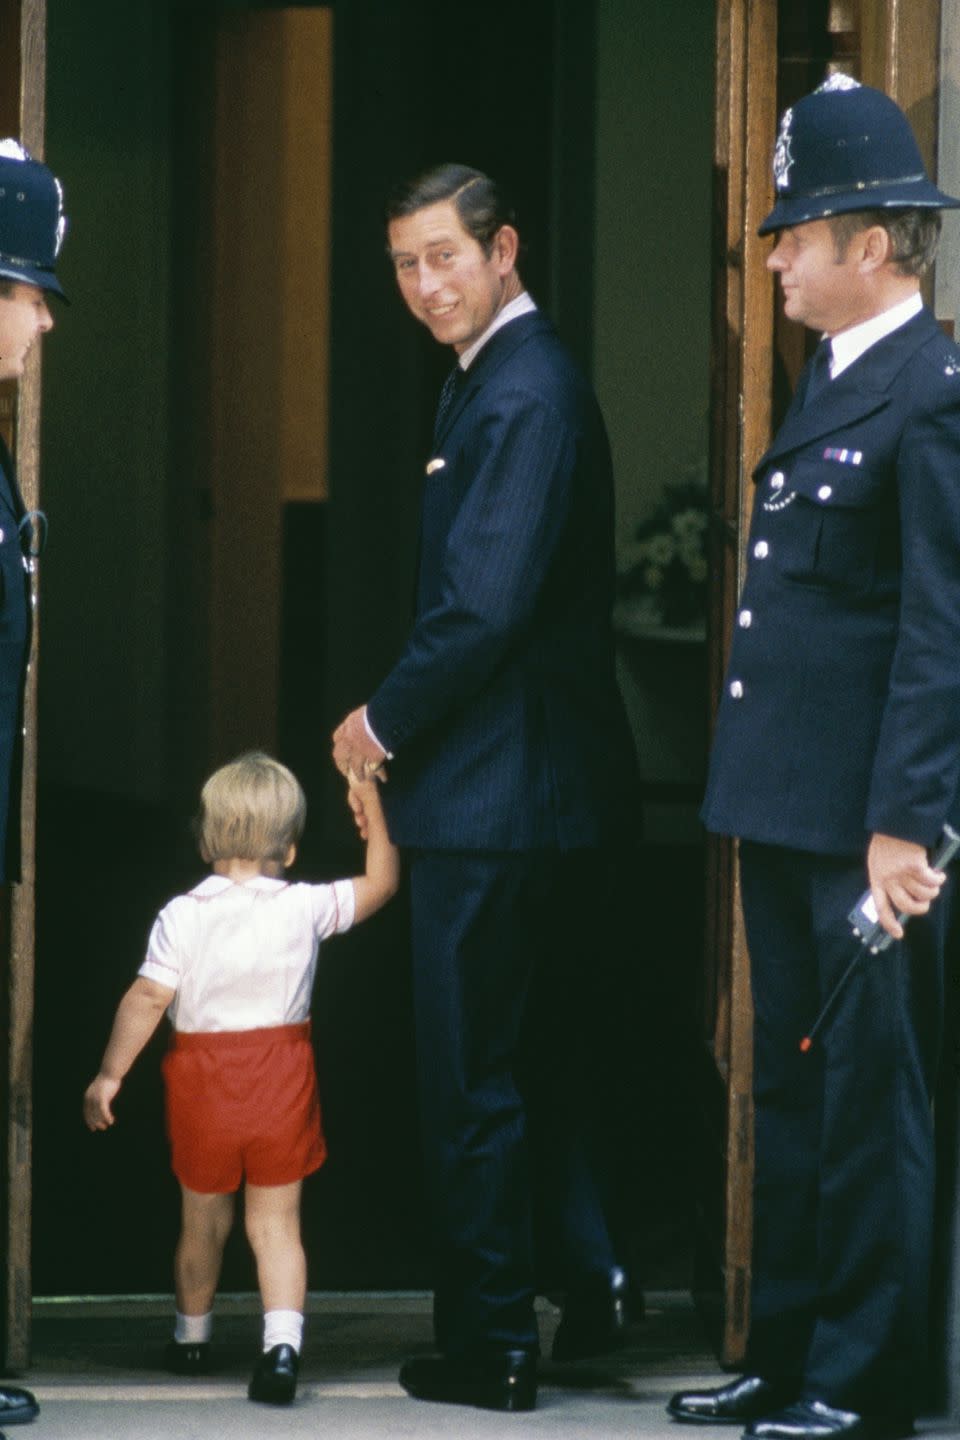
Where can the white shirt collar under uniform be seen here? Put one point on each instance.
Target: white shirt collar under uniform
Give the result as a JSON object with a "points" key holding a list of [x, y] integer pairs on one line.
{"points": [[521, 304], [850, 344]]}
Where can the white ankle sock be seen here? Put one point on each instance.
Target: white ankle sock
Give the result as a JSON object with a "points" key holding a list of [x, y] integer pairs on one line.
{"points": [[193, 1329], [282, 1327]]}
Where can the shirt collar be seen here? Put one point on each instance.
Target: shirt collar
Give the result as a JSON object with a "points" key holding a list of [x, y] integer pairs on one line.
{"points": [[215, 884], [521, 304], [850, 344]]}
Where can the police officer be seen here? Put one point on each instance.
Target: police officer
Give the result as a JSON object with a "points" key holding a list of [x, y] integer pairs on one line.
{"points": [[31, 231], [836, 761]]}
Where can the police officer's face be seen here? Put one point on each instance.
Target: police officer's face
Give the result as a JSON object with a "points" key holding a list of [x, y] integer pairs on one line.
{"points": [[818, 289], [23, 317], [448, 282]]}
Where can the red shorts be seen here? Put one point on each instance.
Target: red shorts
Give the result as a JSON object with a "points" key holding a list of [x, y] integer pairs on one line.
{"points": [[243, 1103]]}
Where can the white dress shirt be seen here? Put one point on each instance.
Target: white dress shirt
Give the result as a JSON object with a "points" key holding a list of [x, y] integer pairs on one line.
{"points": [[850, 344], [242, 957]]}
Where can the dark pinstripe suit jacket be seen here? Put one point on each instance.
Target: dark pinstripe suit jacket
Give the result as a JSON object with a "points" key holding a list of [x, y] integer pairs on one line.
{"points": [[502, 712]]}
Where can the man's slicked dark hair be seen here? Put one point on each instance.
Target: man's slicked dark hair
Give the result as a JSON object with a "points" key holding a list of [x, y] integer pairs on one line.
{"points": [[480, 203]]}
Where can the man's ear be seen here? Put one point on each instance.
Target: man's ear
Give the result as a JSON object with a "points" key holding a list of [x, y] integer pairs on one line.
{"points": [[506, 247], [876, 248], [290, 856]]}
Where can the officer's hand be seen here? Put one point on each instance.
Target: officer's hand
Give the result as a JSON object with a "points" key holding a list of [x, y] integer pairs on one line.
{"points": [[901, 880]]}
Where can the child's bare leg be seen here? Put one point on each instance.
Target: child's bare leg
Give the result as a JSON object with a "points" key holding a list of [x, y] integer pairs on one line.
{"points": [[273, 1229], [205, 1225]]}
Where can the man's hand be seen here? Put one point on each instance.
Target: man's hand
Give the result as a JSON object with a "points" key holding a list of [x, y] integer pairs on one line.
{"points": [[901, 881], [353, 748]]}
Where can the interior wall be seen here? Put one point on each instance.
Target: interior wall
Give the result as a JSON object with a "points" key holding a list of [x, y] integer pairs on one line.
{"points": [[654, 148], [948, 164]]}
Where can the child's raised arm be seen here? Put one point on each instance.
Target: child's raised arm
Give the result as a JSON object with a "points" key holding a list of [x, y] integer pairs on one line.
{"points": [[138, 1015], [374, 888]]}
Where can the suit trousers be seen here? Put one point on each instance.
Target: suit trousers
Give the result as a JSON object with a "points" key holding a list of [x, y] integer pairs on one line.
{"points": [[503, 951], [844, 1176]]}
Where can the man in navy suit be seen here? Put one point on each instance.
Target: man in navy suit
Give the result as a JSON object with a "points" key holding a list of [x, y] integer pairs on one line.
{"points": [[509, 762], [836, 760]]}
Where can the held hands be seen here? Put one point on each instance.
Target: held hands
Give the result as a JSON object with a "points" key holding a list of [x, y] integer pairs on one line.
{"points": [[363, 797], [97, 1113], [901, 881], [354, 750]]}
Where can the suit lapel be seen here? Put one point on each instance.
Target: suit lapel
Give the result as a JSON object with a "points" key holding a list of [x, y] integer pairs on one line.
{"points": [[495, 353], [860, 390]]}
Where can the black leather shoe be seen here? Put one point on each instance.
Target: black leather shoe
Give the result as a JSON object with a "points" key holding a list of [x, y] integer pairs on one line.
{"points": [[498, 1380], [594, 1319], [813, 1420], [745, 1399], [17, 1406], [274, 1381], [190, 1359]]}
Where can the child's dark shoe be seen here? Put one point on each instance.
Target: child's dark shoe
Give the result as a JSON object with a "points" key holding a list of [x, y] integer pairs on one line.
{"points": [[274, 1381], [187, 1359]]}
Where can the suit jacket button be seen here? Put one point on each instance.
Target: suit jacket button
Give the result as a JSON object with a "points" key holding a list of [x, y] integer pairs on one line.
{"points": [[824, 492], [736, 689], [745, 619], [761, 550]]}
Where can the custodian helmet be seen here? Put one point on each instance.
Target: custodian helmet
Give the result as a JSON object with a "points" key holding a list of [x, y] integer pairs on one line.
{"points": [[32, 222], [847, 147]]}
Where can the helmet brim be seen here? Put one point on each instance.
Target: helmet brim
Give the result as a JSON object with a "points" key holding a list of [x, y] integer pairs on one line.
{"points": [[799, 209], [32, 275]]}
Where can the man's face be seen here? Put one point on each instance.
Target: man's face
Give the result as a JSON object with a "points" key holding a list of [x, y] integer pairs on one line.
{"points": [[819, 290], [23, 317], [447, 281]]}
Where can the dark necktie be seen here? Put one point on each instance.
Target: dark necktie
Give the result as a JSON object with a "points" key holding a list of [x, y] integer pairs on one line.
{"points": [[819, 376], [448, 393]]}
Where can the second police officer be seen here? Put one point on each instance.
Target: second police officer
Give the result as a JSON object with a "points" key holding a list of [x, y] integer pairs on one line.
{"points": [[836, 760]]}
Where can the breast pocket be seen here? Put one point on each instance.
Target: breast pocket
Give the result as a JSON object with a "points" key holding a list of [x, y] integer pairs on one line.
{"points": [[832, 527]]}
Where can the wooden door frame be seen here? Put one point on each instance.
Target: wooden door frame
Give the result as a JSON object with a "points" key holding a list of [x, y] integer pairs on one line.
{"points": [[740, 430], [22, 106]]}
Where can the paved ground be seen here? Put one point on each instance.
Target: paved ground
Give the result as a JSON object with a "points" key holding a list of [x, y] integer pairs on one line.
{"points": [[96, 1371]]}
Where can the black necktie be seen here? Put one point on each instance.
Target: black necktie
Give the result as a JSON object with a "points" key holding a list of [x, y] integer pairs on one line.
{"points": [[448, 393], [819, 376]]}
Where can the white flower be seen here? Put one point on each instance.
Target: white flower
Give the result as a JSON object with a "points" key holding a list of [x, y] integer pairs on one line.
{"points": [[689, 522], [661, 549]]}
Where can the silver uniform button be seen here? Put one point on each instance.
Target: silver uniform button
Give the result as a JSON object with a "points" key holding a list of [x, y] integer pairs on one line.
{"points": [[736, 689], [776, 480], [1, 536], [745, 619], [761, 550], [824, 492]]}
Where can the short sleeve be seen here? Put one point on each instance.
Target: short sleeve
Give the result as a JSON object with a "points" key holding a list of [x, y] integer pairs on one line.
{"points": [[333, 908], [163, 953]]}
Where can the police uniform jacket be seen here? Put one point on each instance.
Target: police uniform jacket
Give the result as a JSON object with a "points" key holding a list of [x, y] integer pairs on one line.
{"points": [[502, 711], [14, 647], [840, 714]]}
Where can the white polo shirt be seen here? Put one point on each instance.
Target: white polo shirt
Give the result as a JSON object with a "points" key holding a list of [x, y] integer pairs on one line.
{"points": [[242, 957]]}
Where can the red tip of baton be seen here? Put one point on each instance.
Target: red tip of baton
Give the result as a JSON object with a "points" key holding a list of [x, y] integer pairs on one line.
{"points": [[805, 1044]]}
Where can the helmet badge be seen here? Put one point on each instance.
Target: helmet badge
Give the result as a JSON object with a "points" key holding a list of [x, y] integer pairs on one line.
{"points": [[782, 158]]}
